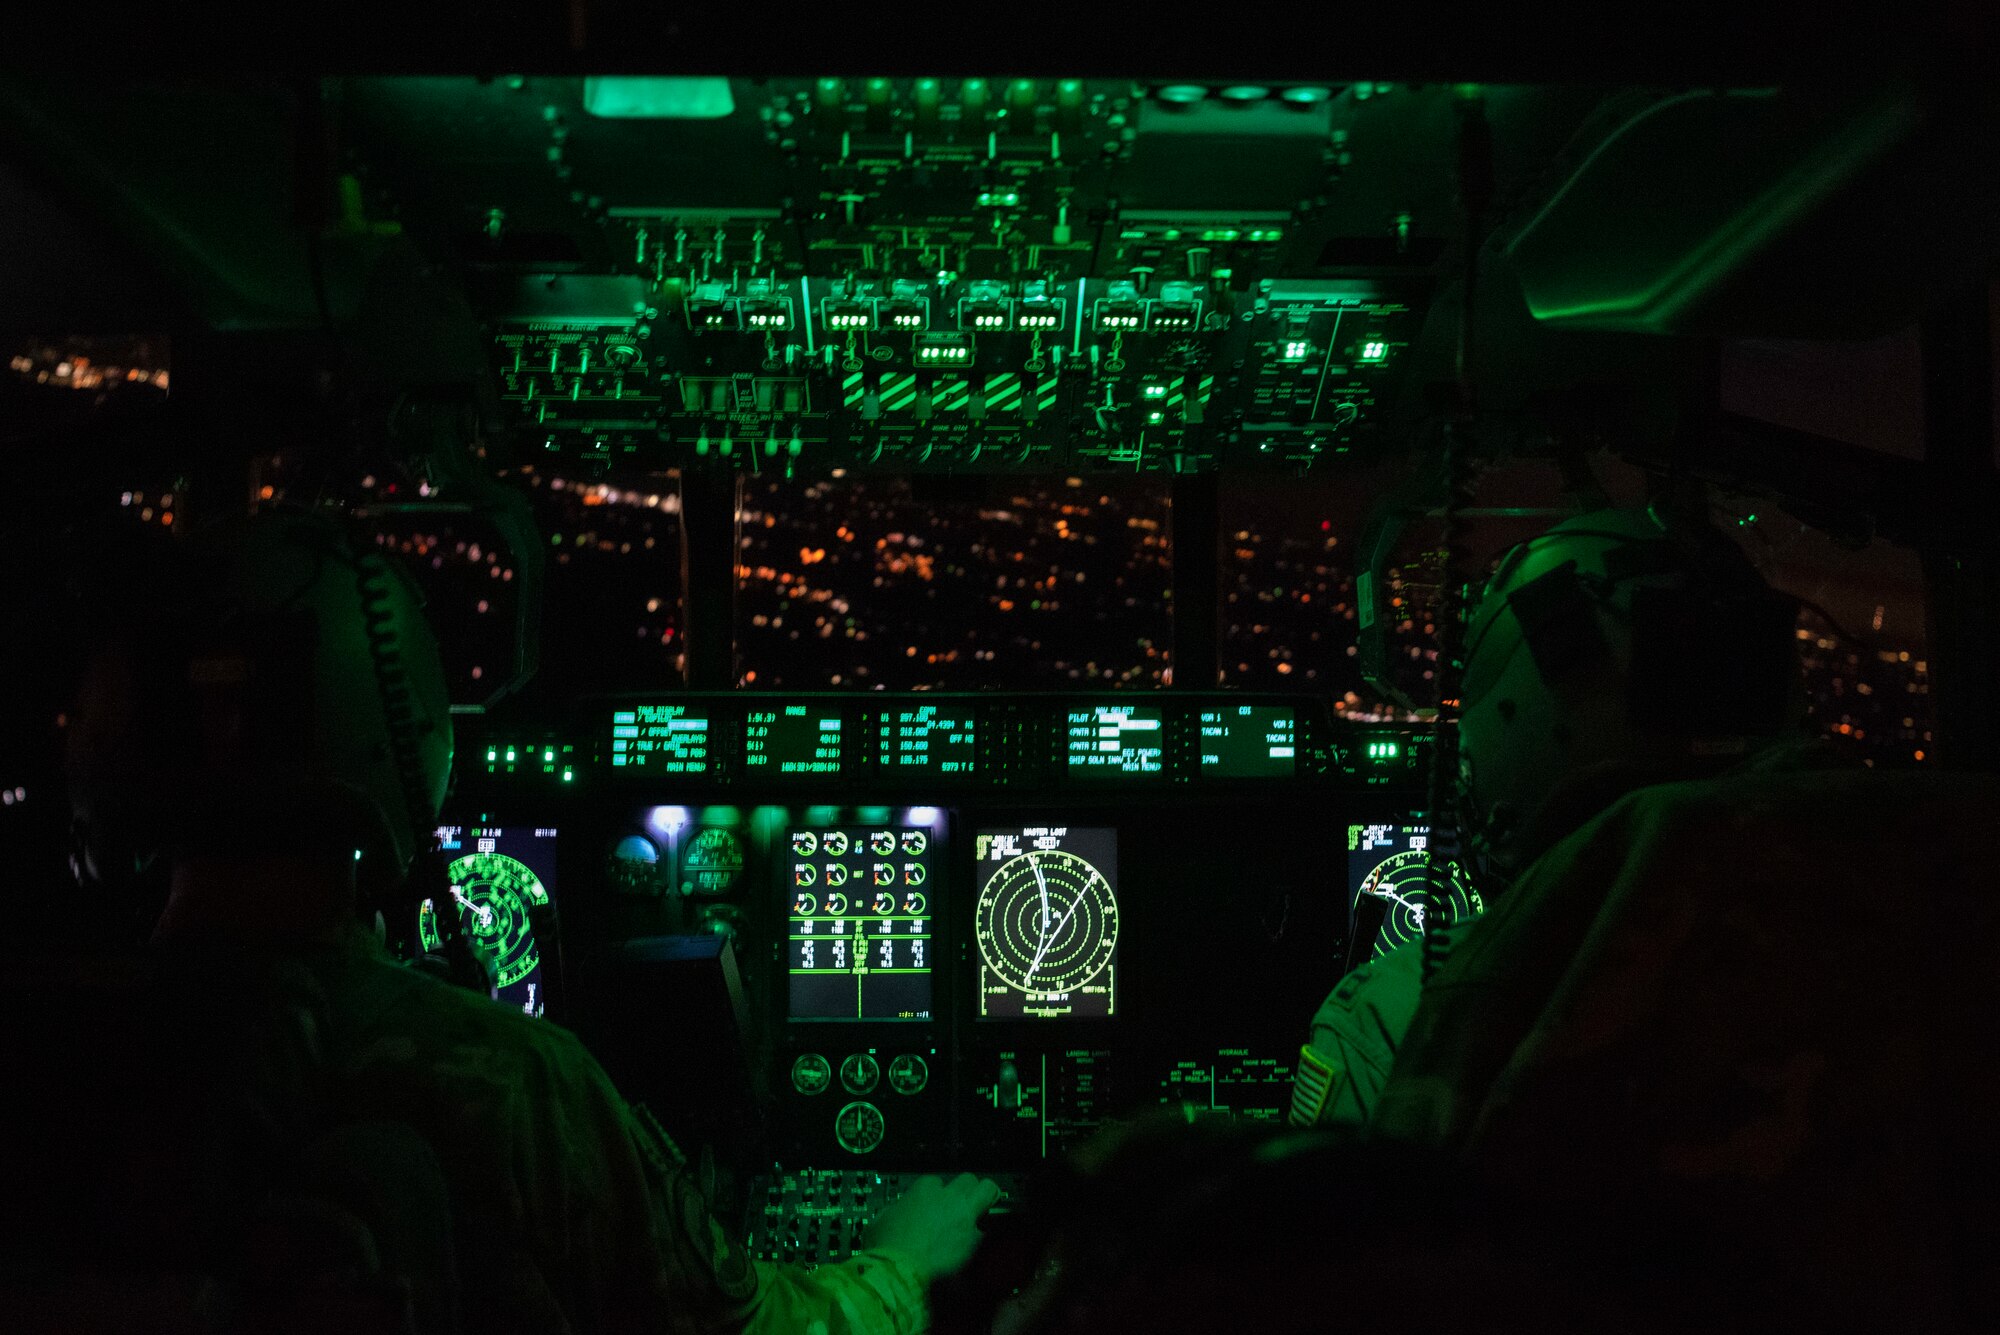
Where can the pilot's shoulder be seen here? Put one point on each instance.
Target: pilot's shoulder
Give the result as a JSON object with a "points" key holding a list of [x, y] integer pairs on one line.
{"points": [[411, 1017]]}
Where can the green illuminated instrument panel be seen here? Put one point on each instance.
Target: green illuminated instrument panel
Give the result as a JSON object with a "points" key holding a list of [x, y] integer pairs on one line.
{"points": [[1396, 867], [1046, 923], [859, 925], [935, 742]]}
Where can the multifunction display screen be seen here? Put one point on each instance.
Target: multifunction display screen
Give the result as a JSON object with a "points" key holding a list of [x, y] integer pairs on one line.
{"points": [[859, 904], [1110, 741], [501, 883], [1388, 867], [1249, 742], [660, 739], [928, 740], [792, 739], [1046, 921]]}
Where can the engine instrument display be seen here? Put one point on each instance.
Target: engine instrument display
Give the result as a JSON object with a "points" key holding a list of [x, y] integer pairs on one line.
{"points": [[1047, 922], [792, 739], [499, 879], [1391, 863], [660, 739], [859, 904], [928, 740], [1112, 741], [1249, 742]]}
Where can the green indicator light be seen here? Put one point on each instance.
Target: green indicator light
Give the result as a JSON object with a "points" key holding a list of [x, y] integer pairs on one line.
{"points": [[549, 754], [1374, 350], [510, 755], [1222, 234], [1156, 417], [492, 755], [1156, 391], [569, 776]]}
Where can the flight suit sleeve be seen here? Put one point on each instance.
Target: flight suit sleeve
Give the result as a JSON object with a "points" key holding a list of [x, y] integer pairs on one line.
{"points": [[685, 1269], [1355, 1034]]}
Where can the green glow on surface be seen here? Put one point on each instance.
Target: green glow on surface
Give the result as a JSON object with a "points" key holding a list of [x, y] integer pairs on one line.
{"points": [[1222, 234], [1732, 241], [1156, 417]]}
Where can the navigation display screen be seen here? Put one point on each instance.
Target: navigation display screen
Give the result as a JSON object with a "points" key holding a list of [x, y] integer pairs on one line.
{"points": [[660, 739], [792, 739], [1111, 741], [859, 944], [1249, 742], [1389, 865], [928, 740], [1047, 922], [502, 891]]}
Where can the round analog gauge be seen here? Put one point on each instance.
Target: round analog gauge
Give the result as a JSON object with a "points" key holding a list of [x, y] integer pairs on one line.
{"points": [[812, 1073], [915, 842], [859, 1127], [713, 862], [908, 1073], [835, 843], [1399, 881], [859, 1073], [804, 873], [885, 873], [494, 893], [634, 868], [805, 843], [883, 903], [882, 843], [1047, 921]]}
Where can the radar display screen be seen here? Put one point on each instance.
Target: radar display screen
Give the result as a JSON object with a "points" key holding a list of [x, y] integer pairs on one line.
{"points": [[1047, 922], [660, 739], [1390, 863], [1113, 741], [859, 902], [1249, 742], [500, 882], [793, 739], [930, 740]]}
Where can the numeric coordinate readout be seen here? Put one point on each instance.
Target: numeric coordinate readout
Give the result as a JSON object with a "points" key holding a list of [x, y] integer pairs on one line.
{"points": [[929, 738], [793, 739], [660, 739], [1111, 740]]}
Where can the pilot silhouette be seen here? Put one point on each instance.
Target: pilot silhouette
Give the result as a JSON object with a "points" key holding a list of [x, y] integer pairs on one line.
{"points": [[1621, 649], [283, 740]]}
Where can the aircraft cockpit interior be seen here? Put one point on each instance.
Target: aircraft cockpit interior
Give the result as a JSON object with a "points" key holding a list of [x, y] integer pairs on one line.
{"points": [[949, 563]]}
